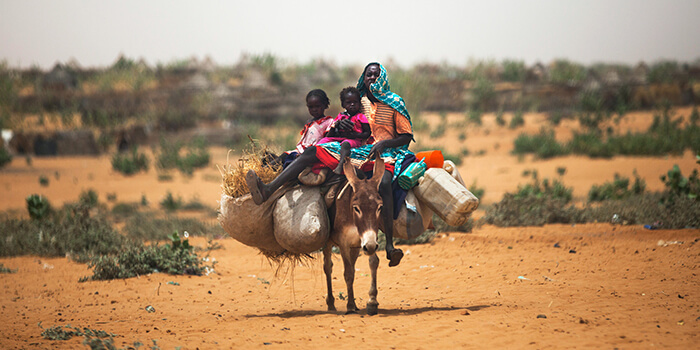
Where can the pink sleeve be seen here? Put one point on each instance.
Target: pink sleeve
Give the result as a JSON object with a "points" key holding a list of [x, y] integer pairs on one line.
{"points": [[359, 117]]}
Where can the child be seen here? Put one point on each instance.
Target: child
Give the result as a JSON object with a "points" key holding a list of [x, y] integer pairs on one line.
{"points": [[317, 102], [315, 128], [350, 100]]}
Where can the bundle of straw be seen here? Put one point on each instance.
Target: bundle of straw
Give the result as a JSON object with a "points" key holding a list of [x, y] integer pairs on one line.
{"points": [[233, 175]]}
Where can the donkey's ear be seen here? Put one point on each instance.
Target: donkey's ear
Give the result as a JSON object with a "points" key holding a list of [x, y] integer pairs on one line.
{"points": [[349, 172], [378, 172]]}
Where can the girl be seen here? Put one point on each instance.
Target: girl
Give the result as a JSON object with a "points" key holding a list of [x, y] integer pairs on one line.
{"points": [[360, 132]]}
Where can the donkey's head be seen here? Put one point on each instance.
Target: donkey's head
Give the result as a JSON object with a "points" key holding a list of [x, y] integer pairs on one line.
{"points": [[366, 204]]}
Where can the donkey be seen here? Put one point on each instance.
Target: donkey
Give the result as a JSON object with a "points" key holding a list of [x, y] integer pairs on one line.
{"points": [[355, 216]]}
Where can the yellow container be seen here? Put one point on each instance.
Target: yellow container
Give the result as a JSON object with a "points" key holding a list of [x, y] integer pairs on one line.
{"points": [[444, 195]]}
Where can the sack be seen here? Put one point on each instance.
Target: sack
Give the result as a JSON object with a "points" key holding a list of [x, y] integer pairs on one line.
{"points": [[301, 223], [414, 218], [249, 223]]}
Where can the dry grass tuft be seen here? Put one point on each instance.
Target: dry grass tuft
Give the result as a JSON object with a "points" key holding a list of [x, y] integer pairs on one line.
{"points": [[233, 175]]}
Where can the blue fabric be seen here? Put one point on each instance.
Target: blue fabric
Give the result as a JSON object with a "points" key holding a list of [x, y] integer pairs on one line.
{"points": [[382, 91], [398, 192]]}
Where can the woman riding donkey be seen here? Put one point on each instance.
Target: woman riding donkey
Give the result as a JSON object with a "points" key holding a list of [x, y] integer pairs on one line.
{"points": [[391, 129]]}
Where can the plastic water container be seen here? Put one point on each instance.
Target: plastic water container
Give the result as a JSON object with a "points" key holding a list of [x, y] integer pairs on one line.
{"points": [[410, 176], [433, 159], [444, 195]]}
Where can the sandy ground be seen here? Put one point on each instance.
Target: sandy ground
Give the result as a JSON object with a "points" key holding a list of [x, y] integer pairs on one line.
{"points": [[604, 286]]}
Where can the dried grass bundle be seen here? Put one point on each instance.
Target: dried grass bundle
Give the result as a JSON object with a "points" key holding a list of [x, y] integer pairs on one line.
{"points": [[255, 158]]}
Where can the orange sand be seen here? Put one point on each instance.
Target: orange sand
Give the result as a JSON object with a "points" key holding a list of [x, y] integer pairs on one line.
{"points": [[620, 289]]}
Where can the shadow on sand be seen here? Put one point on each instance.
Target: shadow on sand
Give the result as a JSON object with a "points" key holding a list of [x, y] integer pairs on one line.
{"points": [[382, 312]]}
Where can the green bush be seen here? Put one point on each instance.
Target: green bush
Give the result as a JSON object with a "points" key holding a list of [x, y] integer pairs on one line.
{"points": [[70, 230], [129, 164], [619, 188], [43, 180], [566, 72], [170, 203], [513, 70], [38, 207], [177, 258], [5, 157], [169, 157], [89, 198], [531, 211], [556, 189], [678, 185], [439, 131], [543, 145], [148, 227], [499, 118], [517, 120], [475, 116]]}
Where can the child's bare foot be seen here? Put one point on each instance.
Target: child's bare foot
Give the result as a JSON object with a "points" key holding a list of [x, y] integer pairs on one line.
{"points": [[256, 187], [394, 256]]}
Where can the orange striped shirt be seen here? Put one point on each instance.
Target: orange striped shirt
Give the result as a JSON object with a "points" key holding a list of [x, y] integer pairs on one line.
{"points": [[385, 122]]}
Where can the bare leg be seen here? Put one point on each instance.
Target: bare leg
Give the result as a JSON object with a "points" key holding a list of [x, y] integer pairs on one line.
{"points": [[328, 269], [349, 258], [261, 192], [394, 255], [373, 304], [344, 153]]}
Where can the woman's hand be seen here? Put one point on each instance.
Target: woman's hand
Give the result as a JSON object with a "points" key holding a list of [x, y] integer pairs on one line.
{"points": [[377, 149]]}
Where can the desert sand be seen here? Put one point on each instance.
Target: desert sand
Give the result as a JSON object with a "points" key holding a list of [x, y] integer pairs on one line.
{"points": [[558, 286]]}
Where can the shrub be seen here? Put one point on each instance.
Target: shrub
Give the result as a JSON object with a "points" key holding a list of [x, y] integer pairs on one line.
{"points": [[88, 198], [475, 116], [543, 145], [566, 72], [678, 185], [5, 157], [71, 230], [543, 188], [169, 203], [38, 207], [147, 227], [476, 190], [43, 180], [129, 164], [513, 71], [531, 210], [517, 120], [439, 131], [619, 188], [499, 118], [176, 258], [169, 156]]}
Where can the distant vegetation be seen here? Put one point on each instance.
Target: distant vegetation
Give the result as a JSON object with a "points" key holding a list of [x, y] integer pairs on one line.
{"points": [[544, 202], [131, 99], [85, 231], [666, 135]]}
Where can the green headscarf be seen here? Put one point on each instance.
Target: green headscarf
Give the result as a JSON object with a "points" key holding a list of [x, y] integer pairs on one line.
{"points": [[381, 90]]}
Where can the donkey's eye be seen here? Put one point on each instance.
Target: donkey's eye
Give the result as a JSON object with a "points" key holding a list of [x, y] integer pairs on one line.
{"points": [[380, 208], [356, 209]]}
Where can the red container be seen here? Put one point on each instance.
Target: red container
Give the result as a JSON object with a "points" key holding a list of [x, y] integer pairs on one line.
{"points": [[433, 159]]}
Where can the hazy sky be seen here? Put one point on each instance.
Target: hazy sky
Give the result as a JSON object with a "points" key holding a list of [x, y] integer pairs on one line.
{"points": [[95, 32]]}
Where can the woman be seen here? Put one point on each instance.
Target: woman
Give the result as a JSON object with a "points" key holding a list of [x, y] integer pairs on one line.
{"points": [[392, 131]]}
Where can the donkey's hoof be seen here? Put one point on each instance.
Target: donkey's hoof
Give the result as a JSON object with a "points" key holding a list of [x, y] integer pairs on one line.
{"points": [[372, 309], [351, 311], [395, 257]]}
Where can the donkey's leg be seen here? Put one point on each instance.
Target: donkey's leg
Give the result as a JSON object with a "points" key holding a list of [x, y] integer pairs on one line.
{"points": [[373, 304], [328, 269], [349, 258]]}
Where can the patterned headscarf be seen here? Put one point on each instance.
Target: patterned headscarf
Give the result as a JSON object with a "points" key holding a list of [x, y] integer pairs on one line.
{"points": [[381, 90]]}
